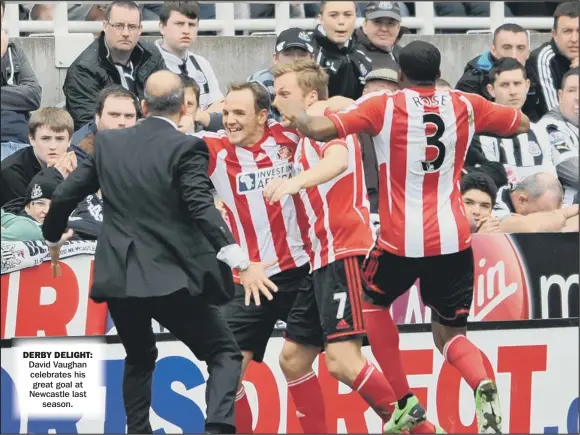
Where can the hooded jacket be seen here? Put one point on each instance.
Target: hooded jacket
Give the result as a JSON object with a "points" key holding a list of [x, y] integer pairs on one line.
{"points": [[94, 69], [347, 66], [475, 77], [20, 94]]}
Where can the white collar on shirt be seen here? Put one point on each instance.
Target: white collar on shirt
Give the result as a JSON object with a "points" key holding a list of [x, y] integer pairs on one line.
{"points": [[168, 120]]}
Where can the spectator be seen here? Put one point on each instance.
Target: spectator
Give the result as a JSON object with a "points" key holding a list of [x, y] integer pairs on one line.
{"points": [[527, 153], [509, 40], [549, 62], [292, 44], [178, 24], [534, 206], [50, 132], [19, 229], [479, 196], [208, 121], [337, 49], [116, 57], [20, 93], [380, 32], [38, 196], [116, 108], [561, 124]]}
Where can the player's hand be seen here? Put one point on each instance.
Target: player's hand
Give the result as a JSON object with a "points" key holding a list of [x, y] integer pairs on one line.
{"points": [[489, 224], [55, 253], [255, 282], [278, 187], [290, 111], [186, 124]]}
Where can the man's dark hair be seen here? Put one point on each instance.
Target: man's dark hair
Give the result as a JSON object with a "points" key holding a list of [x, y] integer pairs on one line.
{"points": [[261, 95], [116, 91], [509, 27], [479, 181], [190, 83], [166, 104], [570, 72], [126, 4], [569, 9], [188, 8], [505, 64]]}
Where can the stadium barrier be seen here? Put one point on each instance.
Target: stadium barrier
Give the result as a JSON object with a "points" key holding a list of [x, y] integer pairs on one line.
{"points": [[425, 21], [518, 277]]}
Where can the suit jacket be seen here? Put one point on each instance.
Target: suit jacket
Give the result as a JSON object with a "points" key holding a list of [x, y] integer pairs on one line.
{"points": [[161, 231]]}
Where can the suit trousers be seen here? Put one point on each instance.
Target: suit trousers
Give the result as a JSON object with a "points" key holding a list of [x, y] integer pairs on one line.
{"points": [[200, 327]]}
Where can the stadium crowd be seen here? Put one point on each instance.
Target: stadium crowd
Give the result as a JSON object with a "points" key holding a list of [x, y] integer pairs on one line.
{"points": [[527, 183]]}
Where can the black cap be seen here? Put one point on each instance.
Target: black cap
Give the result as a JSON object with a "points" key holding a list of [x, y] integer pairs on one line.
{"points": [[294, 37], [420, 61], [41, 187], [376, 10]]}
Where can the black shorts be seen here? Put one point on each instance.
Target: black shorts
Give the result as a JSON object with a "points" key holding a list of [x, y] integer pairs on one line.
{"points": [[252, 325], [446, 282], [337, 299]]}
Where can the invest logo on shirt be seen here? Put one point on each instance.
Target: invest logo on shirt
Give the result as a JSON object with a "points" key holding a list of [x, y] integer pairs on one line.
{"points": [[256, 181]]}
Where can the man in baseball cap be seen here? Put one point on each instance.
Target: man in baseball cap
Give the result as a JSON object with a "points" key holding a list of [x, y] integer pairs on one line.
{"points": [[380, 32], [291, 45]]}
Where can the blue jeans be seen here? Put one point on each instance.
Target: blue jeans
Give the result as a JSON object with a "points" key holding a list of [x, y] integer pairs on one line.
{"points": [[9, 148]]}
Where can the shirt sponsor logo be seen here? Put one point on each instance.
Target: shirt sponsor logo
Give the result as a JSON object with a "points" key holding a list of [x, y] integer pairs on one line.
{"points": [[255, 181]]}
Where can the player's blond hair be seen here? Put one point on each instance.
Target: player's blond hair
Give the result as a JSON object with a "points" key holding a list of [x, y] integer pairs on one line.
{"points": [[310, 76]]}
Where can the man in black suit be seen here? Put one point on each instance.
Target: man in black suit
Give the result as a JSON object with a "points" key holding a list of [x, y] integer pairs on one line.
{"points": [[156, 253]]}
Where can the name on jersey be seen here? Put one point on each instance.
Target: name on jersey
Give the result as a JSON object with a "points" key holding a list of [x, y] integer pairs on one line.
{"points": [[251, 181], [433, 101]]}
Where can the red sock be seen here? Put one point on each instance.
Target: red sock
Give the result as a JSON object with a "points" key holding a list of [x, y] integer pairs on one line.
{"points": [[375, 390], [466, 358], [307, 396], [243, 413], [384, 340], [425, 427]]}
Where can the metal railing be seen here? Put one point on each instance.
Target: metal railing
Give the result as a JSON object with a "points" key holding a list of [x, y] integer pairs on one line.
{"points": [[425, 21]]}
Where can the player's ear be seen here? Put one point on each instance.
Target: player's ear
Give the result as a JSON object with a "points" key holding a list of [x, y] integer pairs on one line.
{"points": [[491, 90], [263, 117]]}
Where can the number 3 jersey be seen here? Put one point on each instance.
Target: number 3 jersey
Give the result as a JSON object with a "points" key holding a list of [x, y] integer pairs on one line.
{"points": [[421, 137], [239, 175]]}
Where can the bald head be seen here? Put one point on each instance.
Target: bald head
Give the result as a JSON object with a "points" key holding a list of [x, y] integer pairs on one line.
{"points": [[538, 184], [164, 94], [538, 192]]}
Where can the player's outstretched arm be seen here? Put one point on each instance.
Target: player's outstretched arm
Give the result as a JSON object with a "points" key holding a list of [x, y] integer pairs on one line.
{"points": [[318, 128], [334, 163]]}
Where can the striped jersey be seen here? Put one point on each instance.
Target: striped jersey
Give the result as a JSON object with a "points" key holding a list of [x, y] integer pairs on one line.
{"points": [[335, 215], [523, 155], [421, 138], [239, 175], [565, 143]]}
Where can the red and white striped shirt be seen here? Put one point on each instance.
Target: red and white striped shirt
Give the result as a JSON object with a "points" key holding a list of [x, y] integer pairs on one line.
{"points": [[239, 175], [335, 215], [421, 138]]}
